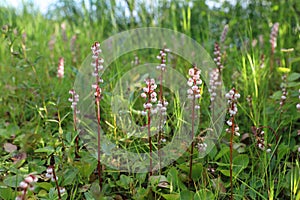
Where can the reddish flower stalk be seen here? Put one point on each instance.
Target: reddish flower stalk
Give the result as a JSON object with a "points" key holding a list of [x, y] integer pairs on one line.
{"points": [[151, 96], [162, 103], [194, 93], [74, 100], [51, 174], [233, 129], [97, 63]]}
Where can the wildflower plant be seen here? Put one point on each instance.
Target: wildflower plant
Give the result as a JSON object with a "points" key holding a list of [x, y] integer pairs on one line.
{"points": [[150, 96], [162, 103], [51, 174], [74, 99], [97, 64], [194, 94], [232, 96]]}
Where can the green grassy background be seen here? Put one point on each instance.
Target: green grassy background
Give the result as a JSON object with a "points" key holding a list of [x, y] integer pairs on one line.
{"points": [[35, 114]]}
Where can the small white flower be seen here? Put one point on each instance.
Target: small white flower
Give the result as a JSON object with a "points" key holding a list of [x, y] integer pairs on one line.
{"points": [[49, 175], [229, 123], [54, 179], [153, 87], [163, 109], [144, 95], [199, 82], [298, 106], [153, 100], [28, 179], [62, 190], [153, 94], [31, 187], [191, 72], [228, 96], [197, 96], [195, 88], [146, 89], [23, 185], [190, 82]]}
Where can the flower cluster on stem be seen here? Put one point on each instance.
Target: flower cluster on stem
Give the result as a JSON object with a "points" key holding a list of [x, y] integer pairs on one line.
{"points": [[194, 93], [74, 100], [51, 174], [232, 96], [27, 183], [273, 36], [224, 33], [97, 64], [260, 140], [217, 57], [151, 97], [214, 83], [162, 103], [60, 69], [194, 82], [162, 57], [284, 92]]}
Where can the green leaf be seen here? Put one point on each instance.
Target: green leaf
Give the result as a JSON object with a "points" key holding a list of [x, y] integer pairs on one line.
{"points": [[224, 150], [225, 172], [186, 194], [204, 195], [125, 181], [6, 193], [293, 76], [69, 176], [171, 196], [197, 171], [240, 162], [282, 151], [13, 181], [49, 150], [44, 185], [175, 182]]}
